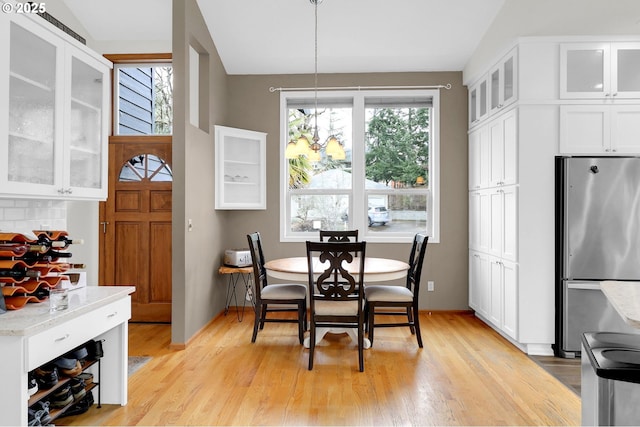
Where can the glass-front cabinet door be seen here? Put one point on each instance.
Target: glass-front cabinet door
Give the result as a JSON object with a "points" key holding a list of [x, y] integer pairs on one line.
{"points": [[585, 70], [86, 151], [625, 63], [28, 150], [503, 82]]}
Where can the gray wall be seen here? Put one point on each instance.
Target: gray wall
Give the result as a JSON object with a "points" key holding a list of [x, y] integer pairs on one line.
{"points": [[252, 106], [198, 293], [245, 102]]}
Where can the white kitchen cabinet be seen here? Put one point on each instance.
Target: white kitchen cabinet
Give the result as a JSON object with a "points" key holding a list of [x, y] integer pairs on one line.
{"points": [[503, 150], [54, 121], [479, 158], [510, 298], [599, 129], [480, 219], [503, 307], [479, 101], [479, 291], [240, 168], [502, 222], [503, 83], [600, 70]]}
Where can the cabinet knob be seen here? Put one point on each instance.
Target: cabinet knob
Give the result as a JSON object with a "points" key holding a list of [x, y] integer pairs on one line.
{"points": [[615, 94]]}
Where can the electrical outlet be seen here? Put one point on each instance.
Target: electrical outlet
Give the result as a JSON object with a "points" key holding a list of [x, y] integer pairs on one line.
{"points": [[430, 286]]}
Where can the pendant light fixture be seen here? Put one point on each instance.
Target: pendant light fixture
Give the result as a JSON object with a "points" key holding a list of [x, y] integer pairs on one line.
{"points": [[302, 146]]}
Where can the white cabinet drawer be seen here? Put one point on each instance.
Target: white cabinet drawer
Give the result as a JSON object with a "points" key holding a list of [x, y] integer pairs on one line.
{"points": [[54, 342]]}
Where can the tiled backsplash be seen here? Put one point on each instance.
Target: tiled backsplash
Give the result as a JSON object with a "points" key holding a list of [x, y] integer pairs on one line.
{"points": [[26, 215]]}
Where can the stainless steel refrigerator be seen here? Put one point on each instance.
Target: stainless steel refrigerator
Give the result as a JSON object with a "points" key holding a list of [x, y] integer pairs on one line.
{"points": [[597, 238]]}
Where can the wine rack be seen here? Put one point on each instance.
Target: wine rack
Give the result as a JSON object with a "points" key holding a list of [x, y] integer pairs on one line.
{"points": [[31, 265]]}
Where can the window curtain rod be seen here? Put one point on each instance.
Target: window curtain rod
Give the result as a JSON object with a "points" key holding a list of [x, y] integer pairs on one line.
{"points": [[288, 89]]}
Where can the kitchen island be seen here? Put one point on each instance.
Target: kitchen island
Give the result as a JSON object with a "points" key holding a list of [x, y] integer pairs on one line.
{"points": [[625, 298], [32, 336]]}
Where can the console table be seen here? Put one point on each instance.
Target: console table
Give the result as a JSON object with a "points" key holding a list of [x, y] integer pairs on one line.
{"points": [[31, 337]]}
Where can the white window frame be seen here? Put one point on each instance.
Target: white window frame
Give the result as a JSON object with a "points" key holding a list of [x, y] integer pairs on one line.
{"points": [[358, 193]]}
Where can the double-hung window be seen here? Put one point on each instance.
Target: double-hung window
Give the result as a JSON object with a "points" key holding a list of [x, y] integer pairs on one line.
{"points": [[384, 183]]}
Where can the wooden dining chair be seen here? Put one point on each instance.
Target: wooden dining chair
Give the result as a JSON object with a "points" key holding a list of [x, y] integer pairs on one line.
{"points": [[283, 296], [335, 297], [339, 235], [398, 297]]}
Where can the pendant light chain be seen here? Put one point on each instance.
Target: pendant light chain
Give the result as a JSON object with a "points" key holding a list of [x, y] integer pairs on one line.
{"points": [[316, 138]]}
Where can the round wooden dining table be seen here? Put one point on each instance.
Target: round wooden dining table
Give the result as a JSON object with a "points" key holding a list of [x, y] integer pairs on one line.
{"points": [[375, 270]]}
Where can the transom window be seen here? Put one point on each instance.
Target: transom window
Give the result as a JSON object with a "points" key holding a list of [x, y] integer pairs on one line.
{"points": [[143, 95], [384, 183]]}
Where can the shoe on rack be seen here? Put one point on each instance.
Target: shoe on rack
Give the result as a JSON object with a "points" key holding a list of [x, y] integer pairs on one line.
{"points": [[39, 413], [61, 397], [68, 367], [94, 348], [33, 384], [65, 362], [80, 407], [78, 388], [79, 353], [32, 418], [46, 376], [87, 377]]}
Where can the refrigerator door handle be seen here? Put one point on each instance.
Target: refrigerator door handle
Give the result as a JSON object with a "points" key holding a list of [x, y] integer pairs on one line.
{"points": [[588, 286]]}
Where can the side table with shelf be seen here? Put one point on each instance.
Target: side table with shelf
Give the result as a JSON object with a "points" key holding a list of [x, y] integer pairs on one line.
{"points": [[235, 273]]}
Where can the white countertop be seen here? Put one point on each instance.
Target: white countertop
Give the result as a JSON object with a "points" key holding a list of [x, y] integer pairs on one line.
{"points": [[625, 298], [33, 318]]}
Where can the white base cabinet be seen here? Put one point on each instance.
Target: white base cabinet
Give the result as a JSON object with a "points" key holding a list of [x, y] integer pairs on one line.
{"points": [[31, 337]]}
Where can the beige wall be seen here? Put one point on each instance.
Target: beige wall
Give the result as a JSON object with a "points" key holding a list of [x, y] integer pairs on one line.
{"points": [[252, 106]]}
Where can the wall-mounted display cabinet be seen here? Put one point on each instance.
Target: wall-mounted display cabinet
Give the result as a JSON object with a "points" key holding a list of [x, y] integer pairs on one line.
{"points": [[54, 121], [240, 168]]}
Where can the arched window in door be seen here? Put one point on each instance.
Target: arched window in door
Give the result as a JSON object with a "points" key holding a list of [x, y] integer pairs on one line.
{"points": [[145, 167]]}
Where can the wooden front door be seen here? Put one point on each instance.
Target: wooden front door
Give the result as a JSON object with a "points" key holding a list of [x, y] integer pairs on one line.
{"points": [[136, 224]]}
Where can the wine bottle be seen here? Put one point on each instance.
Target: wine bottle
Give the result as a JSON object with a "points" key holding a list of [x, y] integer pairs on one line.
{"points": [[13, 249], [56, 238], [63, 242], [19, 272]]}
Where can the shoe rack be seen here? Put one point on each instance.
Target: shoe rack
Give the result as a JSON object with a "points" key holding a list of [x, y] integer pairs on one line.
{"points": [[63, 381]]}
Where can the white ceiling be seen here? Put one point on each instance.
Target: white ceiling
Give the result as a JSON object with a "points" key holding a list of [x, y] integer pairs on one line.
{"points": [[277, 36]]}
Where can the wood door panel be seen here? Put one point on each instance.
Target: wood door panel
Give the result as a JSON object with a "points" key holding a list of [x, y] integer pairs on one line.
{"points": [[128, 201], [160, 262], [160, 201], [128, 263]]}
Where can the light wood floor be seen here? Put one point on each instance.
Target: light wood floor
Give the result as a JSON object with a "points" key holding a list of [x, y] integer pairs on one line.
{"points": [[466, 374]]}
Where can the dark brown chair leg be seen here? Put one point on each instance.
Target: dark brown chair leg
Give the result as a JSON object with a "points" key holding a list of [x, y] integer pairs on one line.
{"points": [[312, 345], [417, 323], [301, 322], [361, 345], [256, 321], [372, 312], [411, 320]]}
